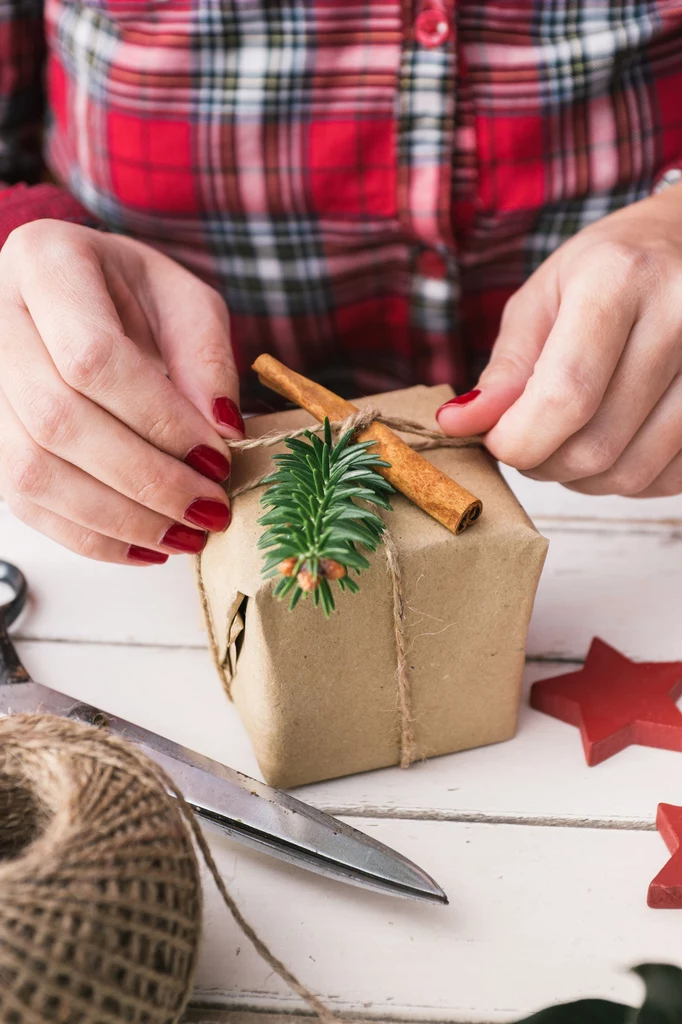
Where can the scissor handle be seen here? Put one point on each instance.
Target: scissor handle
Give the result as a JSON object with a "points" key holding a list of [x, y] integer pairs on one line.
{"points": [[11, 669], [16, 581]]}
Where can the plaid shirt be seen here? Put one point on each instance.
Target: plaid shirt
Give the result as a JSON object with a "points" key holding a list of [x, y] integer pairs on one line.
{"points": [[365, 181]]}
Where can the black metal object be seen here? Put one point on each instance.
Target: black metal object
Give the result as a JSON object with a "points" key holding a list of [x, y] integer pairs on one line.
{"points": [[11, 669]]}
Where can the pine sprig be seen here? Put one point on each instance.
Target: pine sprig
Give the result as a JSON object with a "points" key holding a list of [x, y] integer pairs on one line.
{"points": [[314, 522]]}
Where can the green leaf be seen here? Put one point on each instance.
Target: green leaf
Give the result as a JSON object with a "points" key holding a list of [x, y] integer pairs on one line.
{"points": [[327, 598], [338, 513], [662, 1003], [585, 1011], [354, 531], [285, 585], [349, 584], [312, 511]]}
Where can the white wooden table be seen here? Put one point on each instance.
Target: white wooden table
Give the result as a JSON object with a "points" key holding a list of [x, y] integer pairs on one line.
{"points": [[546, 861]]}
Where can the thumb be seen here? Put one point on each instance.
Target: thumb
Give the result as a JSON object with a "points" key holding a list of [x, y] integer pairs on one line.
{"points": [[526, 322]]}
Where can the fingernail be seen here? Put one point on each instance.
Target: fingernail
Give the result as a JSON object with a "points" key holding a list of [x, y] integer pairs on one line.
{"points": [[185, 539], [210, 515], [210, 462], [227, 414], [146, 555], [460, 400]]}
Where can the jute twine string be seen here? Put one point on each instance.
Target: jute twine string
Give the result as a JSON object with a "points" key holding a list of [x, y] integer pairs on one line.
{"points": [[100, 893], [429, 440]]}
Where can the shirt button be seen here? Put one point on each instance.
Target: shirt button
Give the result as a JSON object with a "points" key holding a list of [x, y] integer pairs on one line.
{"points": [[432, 264], [431, 27]]}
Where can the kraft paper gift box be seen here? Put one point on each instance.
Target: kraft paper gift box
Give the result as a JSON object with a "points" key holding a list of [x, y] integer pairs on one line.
{"points": [[319, 696]]}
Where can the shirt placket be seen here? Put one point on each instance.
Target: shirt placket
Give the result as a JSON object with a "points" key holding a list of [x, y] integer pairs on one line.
{"points": [[426, 129]]}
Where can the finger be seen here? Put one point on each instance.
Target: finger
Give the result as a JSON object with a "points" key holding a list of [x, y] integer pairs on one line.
{"points": [[82, 541], [193, 335], [80, 326], [668, 483], [645, 460], [66, 424], [571, 375], [526, 322], [643, 376], [37, 478]]}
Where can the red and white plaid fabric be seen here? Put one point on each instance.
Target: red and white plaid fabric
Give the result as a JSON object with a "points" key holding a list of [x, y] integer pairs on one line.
{"points": [[365, 181]]}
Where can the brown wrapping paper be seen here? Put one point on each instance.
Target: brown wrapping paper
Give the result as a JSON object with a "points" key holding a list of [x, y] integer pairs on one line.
{"points": [[318, 697]]}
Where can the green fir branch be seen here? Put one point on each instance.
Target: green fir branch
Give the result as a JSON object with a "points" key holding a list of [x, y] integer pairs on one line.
{"points": [[314, 522]]}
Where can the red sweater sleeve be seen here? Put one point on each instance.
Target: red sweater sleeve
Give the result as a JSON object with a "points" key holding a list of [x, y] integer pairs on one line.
{"points": [[20, 204]]}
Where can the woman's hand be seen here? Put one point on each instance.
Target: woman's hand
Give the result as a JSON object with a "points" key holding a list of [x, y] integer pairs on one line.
{"points": [[584, 385], [98, 448]]}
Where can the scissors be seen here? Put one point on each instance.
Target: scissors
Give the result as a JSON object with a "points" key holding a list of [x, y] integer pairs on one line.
{"points": [[225, 800]]}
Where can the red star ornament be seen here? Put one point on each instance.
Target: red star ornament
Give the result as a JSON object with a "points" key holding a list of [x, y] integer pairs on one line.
{"points": [[665, 892], [616, 702]]}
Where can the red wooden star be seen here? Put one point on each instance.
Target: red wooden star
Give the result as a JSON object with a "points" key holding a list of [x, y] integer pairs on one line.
{"points": [[665, 892], [616, 702]]}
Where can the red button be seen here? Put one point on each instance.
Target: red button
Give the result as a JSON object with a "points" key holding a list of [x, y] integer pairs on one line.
{"points": [[431, 27], [432, 264]]}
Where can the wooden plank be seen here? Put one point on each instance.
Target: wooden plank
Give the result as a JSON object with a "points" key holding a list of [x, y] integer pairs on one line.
{"points": [[621, 584], [541, 776], [537, 915], [75, 598]]}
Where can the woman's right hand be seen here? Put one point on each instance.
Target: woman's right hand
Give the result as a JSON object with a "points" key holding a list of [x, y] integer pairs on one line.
{"points": [[99, 449]]}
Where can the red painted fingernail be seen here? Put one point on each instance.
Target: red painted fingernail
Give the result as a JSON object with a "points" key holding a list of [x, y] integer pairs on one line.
{"points": [[227, 414], [210, 462], [146, 555], [184, 538], [460, 400], [209, 514]]}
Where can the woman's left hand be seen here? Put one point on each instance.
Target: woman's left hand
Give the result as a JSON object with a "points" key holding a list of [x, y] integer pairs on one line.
{"points": [[584, 384]]}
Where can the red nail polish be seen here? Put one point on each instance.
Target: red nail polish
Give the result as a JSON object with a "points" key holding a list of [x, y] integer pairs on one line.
{"points": [[184, 539], [227, 414], [460, 400], [209, 514], [210, 462], [146, 555]]}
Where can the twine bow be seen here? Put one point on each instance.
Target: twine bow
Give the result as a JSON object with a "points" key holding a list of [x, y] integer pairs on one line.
{"points": [[428, 440]]}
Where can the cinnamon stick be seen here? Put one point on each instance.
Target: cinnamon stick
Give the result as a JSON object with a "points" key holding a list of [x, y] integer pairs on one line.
{"points": [[409, 472]]}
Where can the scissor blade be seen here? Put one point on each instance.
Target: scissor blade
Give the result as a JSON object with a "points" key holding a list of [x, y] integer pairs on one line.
{"points": [[247, 810]]}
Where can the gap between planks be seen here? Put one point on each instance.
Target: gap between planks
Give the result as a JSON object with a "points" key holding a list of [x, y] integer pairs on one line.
{"points": [[21, 638], [480, 818], [598, 524], [196, 1013]]}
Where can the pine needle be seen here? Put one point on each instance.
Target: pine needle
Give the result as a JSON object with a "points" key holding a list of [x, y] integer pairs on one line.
{"points": [[314, 520]]}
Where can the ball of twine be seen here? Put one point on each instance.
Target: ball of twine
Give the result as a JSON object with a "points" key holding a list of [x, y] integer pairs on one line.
{"points": [[100, 894]]}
